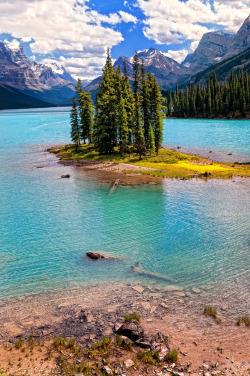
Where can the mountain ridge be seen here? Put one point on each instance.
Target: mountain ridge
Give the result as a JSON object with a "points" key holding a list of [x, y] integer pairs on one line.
{"points": [[32, 78]]}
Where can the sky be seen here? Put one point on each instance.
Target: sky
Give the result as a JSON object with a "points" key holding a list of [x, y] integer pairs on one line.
{"points": [[77, 33]]}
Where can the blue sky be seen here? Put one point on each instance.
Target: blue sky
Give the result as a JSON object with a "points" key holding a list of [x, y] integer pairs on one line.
{"points": [[76, 34]]}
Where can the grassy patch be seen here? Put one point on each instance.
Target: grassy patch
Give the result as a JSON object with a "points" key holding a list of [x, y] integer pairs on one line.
{"points": [[168, 163], [146, 357], [19, 343], [172, 356], [244, 320], [59, 341], [132, 316], [211, 311]]}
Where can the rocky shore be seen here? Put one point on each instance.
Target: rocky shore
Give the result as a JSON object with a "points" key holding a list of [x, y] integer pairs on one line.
{"points": [[90, 314]]}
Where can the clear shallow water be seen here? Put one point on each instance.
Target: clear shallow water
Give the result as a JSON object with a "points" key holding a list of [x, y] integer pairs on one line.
{"points": [[195, 232], [217, 135]]}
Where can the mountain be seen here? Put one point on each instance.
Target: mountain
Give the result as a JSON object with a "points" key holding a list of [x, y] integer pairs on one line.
{"points": [[211, 49], [187, 61], [220, 45], [166, 70], [241, 41], [38, 80], [11, 98], [224, 68]]}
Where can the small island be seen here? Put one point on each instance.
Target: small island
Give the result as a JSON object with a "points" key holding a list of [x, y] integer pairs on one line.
{"points": [[169, 163]]}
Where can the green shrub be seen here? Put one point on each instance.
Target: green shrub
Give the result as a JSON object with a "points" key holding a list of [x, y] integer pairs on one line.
{"points": [[59, 341], [132, 316], [19, 343], [31, 340], [211, 311], [71, 343], [172, 356], [146, 356], [243, 320]]}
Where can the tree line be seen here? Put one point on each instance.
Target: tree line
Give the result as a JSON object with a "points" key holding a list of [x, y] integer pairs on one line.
{"points": [[127, 117], [213, 100]]}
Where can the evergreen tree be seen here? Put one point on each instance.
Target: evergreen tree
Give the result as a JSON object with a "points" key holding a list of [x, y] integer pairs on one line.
{"points": [[128, 97], [105, 133], [123, 127], [156, 111], [151, 141], [169, 104], [139, 139], [87, 119], [75, 128], [214, 99], [145, 102]]}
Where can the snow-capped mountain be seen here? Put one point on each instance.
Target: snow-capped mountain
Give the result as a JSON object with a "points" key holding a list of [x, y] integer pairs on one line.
{"points": [[166, 70], [36, 79]]}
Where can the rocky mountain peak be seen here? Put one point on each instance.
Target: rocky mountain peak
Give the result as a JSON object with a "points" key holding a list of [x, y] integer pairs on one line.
{"points": [[241, 41]]}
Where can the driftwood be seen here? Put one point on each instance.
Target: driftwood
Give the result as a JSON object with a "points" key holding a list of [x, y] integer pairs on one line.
{"points": [[114, 185], [137, 269]]}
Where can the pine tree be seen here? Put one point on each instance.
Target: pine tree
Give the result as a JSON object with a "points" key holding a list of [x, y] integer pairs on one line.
{"points": [[123, 127], [105, 133], [151, 141], [145, 99], [75, 128], [139, 139], [156, 110], [169, 103], [128, 97], [87, 118]]}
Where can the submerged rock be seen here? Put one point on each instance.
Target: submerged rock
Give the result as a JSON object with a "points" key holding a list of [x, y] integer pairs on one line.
{"points": [[132, 329], [99, 255]]}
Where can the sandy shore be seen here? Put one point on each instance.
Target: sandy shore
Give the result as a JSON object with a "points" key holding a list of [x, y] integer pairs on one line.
{"points": [[109, 172], [173, 311]]}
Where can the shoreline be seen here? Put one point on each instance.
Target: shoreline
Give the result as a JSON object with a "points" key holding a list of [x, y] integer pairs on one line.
{"points": [[171, 163], [173, 311], [220, 156]]}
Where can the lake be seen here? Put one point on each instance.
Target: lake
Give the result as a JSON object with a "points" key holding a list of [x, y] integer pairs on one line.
{"points": [[194, 232]]}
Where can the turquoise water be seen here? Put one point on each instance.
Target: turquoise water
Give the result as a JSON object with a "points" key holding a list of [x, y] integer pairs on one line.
{"points": [[195, 232]]}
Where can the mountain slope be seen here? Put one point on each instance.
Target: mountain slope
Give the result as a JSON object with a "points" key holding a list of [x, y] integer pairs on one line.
{"points": [[241, 41], [222, 69], [217, 46], [11, 98], [211, 49], [34, 79]]}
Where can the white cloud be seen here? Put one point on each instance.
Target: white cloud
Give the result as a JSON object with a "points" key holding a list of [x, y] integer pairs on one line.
{"points": [[174, 21], [176, 55], [66, 26]]}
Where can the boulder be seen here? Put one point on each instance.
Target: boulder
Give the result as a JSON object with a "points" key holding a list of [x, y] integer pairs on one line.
{"points": [[159, 343], [125, 341], [132, 329], [144, 343], [95, 255]]}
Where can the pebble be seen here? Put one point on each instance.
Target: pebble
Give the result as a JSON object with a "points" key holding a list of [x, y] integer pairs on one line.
{"points": [[129, 363], [195, 290], [139, 289]]}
